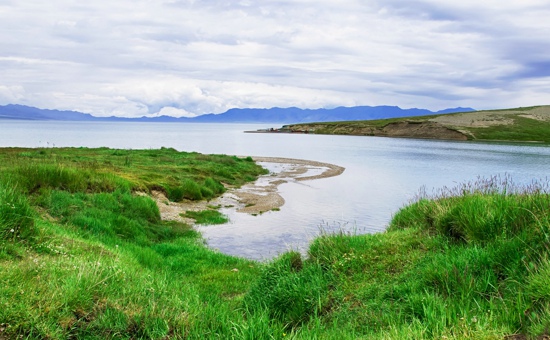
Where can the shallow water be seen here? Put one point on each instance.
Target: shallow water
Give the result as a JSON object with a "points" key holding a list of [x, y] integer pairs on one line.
{"points": [[382, 174]]}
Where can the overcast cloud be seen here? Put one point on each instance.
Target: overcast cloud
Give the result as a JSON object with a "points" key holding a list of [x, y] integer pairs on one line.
{"points": [[191, 57]]}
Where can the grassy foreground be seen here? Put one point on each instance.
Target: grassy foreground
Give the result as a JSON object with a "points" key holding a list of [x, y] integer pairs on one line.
{"points": [[83, 256]]}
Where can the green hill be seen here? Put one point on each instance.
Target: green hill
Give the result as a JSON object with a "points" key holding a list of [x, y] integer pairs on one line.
{"points": [[529, 124]]}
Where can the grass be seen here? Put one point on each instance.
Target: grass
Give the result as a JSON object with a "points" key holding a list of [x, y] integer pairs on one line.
{"points": [[86, 257], [83, 256], [207, 217], [522, 130], [17, 225], [467, 262], [180, 175]]}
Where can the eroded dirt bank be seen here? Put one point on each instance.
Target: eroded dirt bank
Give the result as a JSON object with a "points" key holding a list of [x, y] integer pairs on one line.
{"points": [[428, 130], [408, 129]]}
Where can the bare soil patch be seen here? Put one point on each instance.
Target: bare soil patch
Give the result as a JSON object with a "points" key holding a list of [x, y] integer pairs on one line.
{"points": [[431, 130]]}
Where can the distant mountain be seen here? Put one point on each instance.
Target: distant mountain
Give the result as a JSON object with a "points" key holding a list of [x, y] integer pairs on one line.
{"points": [[33, 113], [273, 115], [294, 114]]}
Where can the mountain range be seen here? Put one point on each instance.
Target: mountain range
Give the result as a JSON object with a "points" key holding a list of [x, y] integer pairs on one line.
{"points": [[272, 115]]}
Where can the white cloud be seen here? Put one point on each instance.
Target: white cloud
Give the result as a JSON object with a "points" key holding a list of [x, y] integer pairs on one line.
{"points": [[11, 94], [174, 112], [134, 58]]}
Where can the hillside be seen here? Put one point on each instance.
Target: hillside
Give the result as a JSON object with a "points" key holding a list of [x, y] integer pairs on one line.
{"points": [[526, 124]]}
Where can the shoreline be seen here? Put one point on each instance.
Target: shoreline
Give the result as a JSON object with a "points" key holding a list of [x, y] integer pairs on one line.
{"points": [[256, 197]]}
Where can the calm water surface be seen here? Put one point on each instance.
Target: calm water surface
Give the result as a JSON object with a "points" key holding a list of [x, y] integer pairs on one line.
{"points": [[382, 174]]}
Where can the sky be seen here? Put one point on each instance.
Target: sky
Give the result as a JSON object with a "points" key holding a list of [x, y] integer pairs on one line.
{"points": [[188, 57]]}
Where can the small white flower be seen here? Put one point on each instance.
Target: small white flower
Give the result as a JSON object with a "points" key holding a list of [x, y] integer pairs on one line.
{"points": [[12, 231]]}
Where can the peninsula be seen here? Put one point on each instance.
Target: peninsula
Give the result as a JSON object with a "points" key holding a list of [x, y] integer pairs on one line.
{"points": [[525, 124]]}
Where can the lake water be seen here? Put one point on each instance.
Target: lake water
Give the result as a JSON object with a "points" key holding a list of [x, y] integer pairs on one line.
{"points": [[382, 174]]}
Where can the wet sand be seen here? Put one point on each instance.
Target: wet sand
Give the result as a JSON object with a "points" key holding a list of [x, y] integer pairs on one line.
{"points": [[257, 197]]}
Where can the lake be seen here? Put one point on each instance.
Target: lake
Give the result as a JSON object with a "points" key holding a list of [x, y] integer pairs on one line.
{"points": [[382, 174]]}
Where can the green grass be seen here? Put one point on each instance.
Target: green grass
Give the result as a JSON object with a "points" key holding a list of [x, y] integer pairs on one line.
{"points": [[207, 217], [83, 256], [181, 175], [17, 225], [522, 130], [87, 257], [470, 262]]}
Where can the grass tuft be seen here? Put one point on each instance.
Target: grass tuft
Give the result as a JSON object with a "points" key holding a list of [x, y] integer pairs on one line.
{"points": [[289, 292], [207, 217], [16, 219]]}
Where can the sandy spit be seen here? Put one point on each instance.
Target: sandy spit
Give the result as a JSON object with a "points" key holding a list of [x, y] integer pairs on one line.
{"points": [[253, 198]]}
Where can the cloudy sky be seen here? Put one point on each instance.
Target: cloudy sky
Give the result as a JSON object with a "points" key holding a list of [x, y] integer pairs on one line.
{"points": [[191, 57]]}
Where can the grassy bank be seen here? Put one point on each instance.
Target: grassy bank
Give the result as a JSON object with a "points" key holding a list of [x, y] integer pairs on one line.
{"points": [[470, 262], [89, 258], [83, 256]]}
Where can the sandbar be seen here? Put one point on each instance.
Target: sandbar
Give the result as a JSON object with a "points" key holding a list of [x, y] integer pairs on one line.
{"points": [[257, 197]]}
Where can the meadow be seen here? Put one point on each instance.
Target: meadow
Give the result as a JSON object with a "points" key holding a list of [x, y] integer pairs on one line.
{"points": [[84, 254]]}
